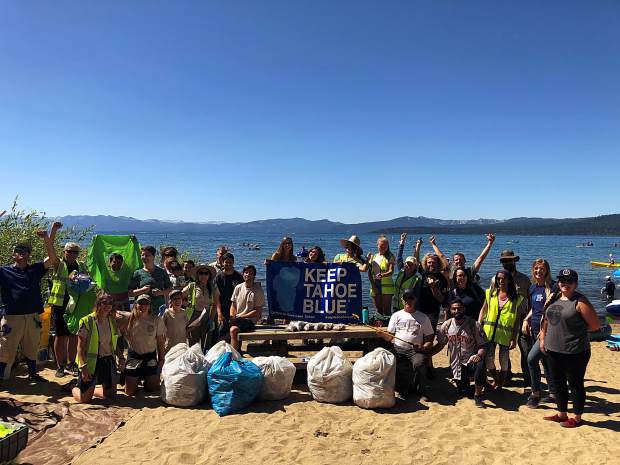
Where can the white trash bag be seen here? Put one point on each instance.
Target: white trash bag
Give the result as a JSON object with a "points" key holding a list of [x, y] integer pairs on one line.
{"points": [[278, 374], [183, 376], [329, 376], [218, 349], [374, 377]]}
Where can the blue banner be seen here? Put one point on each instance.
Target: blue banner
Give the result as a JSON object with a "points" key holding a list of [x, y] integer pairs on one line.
{"points": [[314, 292]]}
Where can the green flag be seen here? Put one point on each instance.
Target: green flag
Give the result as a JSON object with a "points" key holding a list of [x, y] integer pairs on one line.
{"points": [[99, 252]]}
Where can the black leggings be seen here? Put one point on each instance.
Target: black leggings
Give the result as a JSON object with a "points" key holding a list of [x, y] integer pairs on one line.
{"points": [[571, 368], [476, 370]]}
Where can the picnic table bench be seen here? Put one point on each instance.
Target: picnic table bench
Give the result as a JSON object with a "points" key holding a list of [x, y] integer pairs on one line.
{"points": [[358, 338]]}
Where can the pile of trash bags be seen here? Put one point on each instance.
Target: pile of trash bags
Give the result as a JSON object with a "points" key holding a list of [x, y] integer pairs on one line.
{"points": [[329, 376], [374, 378], [183, 380], [278, 374]]}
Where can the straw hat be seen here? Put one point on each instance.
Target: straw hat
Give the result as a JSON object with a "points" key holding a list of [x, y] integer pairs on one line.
{"points": [[353, 242]]}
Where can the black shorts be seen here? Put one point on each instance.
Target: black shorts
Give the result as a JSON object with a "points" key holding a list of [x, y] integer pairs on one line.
{"points": [[244, 324], [58, 320], [141, 366], [105, 374]]}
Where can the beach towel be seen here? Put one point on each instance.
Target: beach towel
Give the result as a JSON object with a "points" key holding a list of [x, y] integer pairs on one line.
{"points": [[233, 384], [278, 374], [99, 252], [329, 376], [374, 377]]}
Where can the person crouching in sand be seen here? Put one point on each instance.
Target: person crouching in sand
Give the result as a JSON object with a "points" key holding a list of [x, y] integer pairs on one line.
{"points": [[97, 343], [412, 338], [145, 334], [466, 348]]}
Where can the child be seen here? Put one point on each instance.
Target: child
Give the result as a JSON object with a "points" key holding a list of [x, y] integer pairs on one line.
{"points": [[175, 321]]}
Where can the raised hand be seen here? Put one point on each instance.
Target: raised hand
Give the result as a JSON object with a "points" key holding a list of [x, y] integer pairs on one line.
{"points": [[491, 237], [432, 240], [403, 238]]}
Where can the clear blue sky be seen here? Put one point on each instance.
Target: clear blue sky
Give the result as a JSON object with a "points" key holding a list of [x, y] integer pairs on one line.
{"points": [[347, 110]]}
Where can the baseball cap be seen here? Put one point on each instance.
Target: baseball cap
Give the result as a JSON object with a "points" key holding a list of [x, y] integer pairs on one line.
{"points": [[567, 275]]}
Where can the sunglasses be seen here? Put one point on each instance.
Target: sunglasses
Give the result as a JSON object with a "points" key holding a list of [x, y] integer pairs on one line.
{"points": [[107, 302], [72, 252], [21, 250]]}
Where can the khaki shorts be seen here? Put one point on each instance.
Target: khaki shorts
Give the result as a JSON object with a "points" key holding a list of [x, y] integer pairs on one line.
{"points": [[25, 329]]}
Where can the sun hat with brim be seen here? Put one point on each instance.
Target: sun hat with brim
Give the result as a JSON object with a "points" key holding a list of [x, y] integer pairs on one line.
{"points": [[508, 255], [143, 297], [352, 241], [203, 266]]}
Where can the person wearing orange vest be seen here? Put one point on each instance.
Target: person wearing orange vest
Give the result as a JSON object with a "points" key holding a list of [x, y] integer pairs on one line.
{"points": [[97, 344], [501, 317]]}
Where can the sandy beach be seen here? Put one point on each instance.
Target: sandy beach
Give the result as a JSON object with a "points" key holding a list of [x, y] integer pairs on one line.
{"points": [[300, 430]]}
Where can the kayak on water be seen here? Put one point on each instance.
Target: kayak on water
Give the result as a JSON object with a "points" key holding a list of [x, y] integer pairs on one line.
{"points": [[606, 264]]}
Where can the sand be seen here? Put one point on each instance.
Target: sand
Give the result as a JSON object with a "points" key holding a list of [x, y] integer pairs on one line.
{"points": [[299, 430]]}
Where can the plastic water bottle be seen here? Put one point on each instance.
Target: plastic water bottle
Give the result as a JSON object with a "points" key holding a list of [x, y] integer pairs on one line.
{"points": [[365, 316]]}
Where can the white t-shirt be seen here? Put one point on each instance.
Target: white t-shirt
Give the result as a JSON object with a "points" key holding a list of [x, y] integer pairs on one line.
{"points": [[248, 299], [411, 327]]}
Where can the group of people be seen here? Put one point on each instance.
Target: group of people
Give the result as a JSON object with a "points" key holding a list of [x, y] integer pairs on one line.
{"points": [[176, 301]]}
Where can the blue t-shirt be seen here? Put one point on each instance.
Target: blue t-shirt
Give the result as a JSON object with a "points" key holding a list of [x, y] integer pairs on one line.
{"points": [[538, 296], [21, 289]]}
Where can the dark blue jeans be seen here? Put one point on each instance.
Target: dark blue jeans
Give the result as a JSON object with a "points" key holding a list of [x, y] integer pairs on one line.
{"points": [[533, 358]]}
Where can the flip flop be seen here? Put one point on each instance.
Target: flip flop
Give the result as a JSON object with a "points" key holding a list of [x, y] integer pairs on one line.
{"points": [[571, 423], [556, 418]]}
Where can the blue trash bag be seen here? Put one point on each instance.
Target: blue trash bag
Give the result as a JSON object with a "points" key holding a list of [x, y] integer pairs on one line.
{"points": [[233, 384]]}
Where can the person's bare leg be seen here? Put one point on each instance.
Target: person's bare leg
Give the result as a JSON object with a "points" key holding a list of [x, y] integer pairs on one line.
{"points": [[131, 385], [234, 337], [151, 383], [83, 397], [60, 350], [72, 348]]}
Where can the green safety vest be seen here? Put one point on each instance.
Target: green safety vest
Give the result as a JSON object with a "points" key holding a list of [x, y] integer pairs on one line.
{"points": [[93, 341], [387, 284], [191, 305], [403, 283], [59, 283], [498, 326]]}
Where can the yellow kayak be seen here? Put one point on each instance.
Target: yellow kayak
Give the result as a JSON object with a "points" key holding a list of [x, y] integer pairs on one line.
{"points": [[605, 264]]}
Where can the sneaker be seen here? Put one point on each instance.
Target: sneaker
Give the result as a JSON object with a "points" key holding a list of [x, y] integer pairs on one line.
{"points": [[73, 368], [60, 372], [478, 402], [37, 378], [548, 399], [532, 401], [424, 397]]}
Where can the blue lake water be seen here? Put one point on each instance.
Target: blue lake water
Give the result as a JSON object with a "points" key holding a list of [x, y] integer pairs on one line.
{"points": [[560, 251]]}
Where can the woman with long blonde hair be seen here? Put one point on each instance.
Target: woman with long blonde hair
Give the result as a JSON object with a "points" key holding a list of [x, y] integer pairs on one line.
{"points": [[284, 252], [381, 269], [540, 291]]}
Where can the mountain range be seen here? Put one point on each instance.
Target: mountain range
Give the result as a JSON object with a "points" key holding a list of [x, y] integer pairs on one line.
{"points": [[598, 225]]}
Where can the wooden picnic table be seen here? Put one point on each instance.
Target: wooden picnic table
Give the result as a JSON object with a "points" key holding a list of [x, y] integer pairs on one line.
{"points": [[280, 338]]}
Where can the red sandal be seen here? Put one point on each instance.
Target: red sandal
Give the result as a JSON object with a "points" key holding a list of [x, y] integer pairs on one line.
{"points": [[556, 418], [571, 423]]}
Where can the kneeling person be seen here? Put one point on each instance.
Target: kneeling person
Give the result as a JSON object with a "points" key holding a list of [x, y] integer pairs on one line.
{"points": [[97, 343], [466, 347], [412, 338], [246, 305], [145, 334]]}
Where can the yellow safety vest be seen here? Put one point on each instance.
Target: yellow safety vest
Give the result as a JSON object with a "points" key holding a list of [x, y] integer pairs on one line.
{"points": [[93, 340], [499, 326], [191, 306], [59, 283], [403, 283], [387, 285]]}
